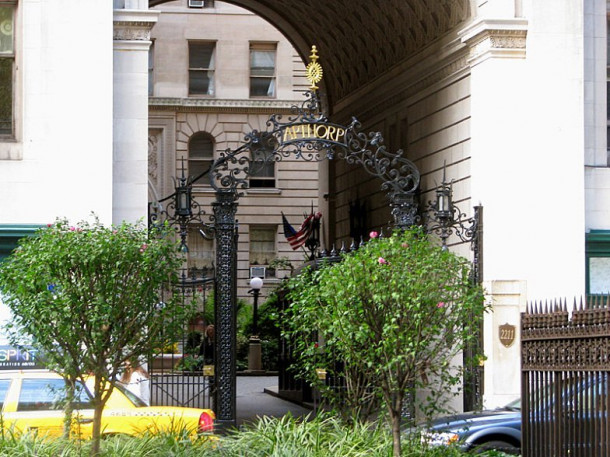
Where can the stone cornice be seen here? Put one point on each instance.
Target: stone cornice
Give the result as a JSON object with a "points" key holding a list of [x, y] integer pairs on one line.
{"points": [[220, 105], [134, 25], [495, 38]]}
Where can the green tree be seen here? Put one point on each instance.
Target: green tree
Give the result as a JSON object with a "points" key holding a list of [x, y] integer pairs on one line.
{"points": [[394, 315], [88, 298]]}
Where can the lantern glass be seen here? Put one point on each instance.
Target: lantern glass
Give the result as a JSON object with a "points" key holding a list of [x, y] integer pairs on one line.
{"points": [[183, 201]]}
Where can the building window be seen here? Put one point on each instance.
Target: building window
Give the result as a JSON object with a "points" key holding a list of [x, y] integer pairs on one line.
{"points": [[7, 63], [201, 156], [262, 247], [201, 68], [201, 254], [262, 168], [201, 3], [262, 70]]}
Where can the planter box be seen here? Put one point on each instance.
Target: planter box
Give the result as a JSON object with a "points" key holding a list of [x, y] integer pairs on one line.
{"points": [[165, 362]]}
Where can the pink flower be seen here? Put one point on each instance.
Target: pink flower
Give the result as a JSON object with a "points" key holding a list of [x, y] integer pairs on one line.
{"points": [[49, 225], [404, 245], [144, 247], [373, 234], [315, 345], [382, 261], [72, 229], [440, 304]]}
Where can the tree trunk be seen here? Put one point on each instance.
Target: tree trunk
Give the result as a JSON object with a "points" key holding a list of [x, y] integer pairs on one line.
{"points": [[97, 429], [396, 421], [69, 408]]}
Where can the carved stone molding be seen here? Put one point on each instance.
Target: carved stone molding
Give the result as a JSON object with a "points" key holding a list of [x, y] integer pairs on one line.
{"points": [[133, 25], [130, 31], [215, 105], [154, 137], [496, 39]]}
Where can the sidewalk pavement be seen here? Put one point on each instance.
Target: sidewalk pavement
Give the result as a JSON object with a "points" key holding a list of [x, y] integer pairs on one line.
{"points": [[257, 396]]}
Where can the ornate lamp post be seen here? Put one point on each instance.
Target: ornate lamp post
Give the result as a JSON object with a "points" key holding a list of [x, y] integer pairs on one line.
{"points": [[444, 218], [254, 349], [182, 210]]}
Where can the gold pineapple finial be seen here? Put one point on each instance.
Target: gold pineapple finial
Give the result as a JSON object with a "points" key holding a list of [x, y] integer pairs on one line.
{"points": [[313, 71]]}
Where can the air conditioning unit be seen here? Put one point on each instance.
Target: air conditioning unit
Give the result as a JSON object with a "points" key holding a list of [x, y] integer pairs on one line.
{"points": [[257, 272], [196, 3]]}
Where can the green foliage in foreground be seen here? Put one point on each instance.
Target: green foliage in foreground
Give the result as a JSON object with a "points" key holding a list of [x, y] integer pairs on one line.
{"points": [[268, 437]]}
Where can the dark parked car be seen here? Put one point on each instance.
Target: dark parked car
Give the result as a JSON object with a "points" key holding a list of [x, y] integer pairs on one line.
{"points": [[498, 429]]}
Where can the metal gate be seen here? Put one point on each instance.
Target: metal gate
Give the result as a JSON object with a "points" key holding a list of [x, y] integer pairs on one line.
{"points": [[564, 385], [182, 373]]}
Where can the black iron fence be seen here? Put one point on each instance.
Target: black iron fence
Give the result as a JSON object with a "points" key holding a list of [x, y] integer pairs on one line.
{"points": [[182, 374], [564, 386]]}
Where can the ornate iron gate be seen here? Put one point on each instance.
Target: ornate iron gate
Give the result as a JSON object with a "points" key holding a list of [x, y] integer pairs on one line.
{"points": [[182, 374], [309, 135], [564, 384]]}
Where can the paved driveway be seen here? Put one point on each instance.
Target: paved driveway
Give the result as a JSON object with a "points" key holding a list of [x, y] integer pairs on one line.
{"points": [[253, 401]]}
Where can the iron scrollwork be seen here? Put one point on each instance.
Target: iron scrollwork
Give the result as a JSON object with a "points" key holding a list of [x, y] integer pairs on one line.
{"points": [[181, 211], [308, 134]]}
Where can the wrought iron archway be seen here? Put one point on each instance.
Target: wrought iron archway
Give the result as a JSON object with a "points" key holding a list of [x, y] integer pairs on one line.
{"points": [[305, 134]]}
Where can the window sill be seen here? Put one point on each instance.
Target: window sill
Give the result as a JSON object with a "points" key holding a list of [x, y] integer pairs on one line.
{"points": [[10, 149], [249, 191], [263, 191]]}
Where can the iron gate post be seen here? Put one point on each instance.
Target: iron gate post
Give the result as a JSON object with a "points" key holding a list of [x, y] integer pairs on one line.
{"points": [[225, 298]]}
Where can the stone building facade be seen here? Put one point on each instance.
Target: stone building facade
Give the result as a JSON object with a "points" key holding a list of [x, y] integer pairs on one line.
{"points": [[217, 72], [510, 94]]}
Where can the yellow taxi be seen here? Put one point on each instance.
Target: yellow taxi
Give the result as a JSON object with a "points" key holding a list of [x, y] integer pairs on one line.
{"points": [[33, 401]]}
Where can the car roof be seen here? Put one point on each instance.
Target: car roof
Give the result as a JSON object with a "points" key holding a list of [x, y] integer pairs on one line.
{"points": [[20, 374]]}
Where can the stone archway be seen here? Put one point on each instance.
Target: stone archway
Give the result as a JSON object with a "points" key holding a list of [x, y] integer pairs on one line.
{"points": [[365, 39]]}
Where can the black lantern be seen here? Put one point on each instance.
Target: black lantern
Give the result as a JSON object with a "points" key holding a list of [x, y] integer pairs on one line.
{"points": [[182, 210], [183, 199], [443, 201], [444, 218]]}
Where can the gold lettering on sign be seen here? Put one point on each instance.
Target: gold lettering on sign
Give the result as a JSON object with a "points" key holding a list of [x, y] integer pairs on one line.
{"points": [[313, 132]]}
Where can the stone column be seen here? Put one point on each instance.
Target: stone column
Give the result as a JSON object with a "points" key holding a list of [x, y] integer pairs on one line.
{"points": [[130, 111]]}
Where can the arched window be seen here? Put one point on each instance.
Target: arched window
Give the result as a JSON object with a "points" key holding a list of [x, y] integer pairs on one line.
{"points": [[201, 156]]}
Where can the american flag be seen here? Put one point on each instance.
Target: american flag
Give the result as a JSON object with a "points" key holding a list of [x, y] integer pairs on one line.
{"points": [[297, 238]]}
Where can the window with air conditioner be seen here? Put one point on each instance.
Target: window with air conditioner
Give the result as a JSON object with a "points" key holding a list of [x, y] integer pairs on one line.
{"points": [[262, 248], [258, 272]]}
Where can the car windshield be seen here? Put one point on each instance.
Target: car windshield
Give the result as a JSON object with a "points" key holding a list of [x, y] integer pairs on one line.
{"points": [[514, 405], [137, 401]]}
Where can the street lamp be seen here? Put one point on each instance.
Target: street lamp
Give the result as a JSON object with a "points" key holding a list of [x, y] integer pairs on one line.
{"points": [[256, 284], [444, 218], [254, 348]]}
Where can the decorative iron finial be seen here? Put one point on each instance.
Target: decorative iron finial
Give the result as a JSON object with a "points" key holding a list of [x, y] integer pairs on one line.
{"points": [[313, 71]]}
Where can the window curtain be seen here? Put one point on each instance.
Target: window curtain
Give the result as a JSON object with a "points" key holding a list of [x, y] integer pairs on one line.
{"points": [[210, 72], [262, 63]]}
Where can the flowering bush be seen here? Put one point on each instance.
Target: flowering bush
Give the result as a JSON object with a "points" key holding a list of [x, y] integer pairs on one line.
{"points": [[393, 316], [88, 297]]}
